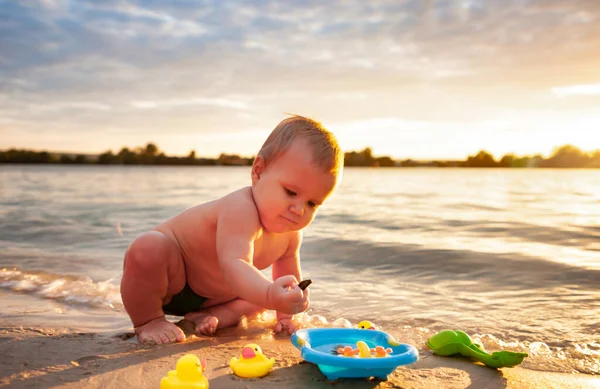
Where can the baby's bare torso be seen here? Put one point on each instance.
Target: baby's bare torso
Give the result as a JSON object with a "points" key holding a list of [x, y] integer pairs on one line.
{"points": [[195, 232]]}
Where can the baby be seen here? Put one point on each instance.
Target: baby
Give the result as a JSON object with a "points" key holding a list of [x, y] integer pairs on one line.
{"points": [[205, 262]]}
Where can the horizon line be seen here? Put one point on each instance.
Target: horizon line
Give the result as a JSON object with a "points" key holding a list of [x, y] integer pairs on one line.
{"points": [[374, 155]]}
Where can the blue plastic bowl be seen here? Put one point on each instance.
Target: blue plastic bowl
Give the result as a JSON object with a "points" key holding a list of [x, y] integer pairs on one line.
{"points": [[319, 346]]}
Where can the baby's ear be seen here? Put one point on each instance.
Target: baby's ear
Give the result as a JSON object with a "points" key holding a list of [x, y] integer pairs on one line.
{"points": [[258, 167]]}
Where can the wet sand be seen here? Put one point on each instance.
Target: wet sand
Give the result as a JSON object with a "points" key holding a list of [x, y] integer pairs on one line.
{"points": [[32, 357]]}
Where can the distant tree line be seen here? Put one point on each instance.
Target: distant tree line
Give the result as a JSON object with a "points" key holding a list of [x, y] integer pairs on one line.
{"points": [[563, 157], [148, 155]]}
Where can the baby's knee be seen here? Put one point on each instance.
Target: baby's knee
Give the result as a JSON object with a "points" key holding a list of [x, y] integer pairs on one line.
{"points": [[148, 252]]}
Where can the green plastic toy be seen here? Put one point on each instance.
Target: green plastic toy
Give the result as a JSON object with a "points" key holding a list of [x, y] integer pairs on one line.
{"points": [[448, 342]]}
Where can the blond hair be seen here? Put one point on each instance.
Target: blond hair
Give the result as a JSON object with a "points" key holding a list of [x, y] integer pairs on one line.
{"points": [[326, 150]]}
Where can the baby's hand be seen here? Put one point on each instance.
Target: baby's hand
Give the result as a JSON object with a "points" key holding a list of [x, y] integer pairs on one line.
{"points": [[285, 325], [285, 296]]}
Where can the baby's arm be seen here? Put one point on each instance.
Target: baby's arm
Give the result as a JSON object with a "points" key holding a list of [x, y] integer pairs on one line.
{"points": [[289, 264], [237, 229]]}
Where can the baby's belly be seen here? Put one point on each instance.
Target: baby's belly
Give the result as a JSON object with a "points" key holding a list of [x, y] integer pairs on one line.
{"points": [[206, 279], [202, 270]]}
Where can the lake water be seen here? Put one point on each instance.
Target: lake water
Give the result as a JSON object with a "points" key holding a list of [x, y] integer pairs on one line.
{"points": [[512, 257]]}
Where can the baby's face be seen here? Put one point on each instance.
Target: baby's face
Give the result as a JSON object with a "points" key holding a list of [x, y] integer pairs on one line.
{"points": [[290, 190]]}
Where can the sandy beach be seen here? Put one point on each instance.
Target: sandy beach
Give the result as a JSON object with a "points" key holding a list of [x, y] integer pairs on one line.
{"points": [[57, 358]]}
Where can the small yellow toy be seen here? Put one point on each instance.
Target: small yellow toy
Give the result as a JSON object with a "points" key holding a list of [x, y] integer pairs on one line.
{"points": [[187, 374], [367, 325], [252, 362], [363, 350]]}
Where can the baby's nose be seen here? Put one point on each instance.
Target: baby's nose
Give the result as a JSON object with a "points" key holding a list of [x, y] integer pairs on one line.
{"points": [[297, 209]]}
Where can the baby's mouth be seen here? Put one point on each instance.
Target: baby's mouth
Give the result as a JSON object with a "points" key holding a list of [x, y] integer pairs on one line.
{"points": [[290, 220]]}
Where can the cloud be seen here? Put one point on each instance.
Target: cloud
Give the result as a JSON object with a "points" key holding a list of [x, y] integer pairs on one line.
{"points": [[140, 65], [140, 21], [565, 91], [225, 103]]}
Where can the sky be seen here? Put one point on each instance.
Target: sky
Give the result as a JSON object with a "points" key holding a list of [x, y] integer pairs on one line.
{"points": [[421, 79]]}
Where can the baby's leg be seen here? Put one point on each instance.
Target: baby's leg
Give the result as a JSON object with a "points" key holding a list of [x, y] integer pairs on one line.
{"points": [[153, 271], [207, 320]]}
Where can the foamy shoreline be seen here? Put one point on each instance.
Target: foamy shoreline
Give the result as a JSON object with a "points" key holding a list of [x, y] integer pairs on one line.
{"points": [[33, 357]]}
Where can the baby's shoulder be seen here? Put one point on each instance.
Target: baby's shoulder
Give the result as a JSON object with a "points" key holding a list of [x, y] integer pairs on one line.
{"points": [[238, 207], [240, 200]]}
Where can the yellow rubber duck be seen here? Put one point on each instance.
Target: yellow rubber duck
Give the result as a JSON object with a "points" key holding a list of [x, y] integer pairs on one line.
{"points": [[252, 363], [187, 374], [367, 325]]}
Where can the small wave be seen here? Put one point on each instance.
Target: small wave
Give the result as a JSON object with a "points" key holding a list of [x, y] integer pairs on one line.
{"points": [[476, 207], [567, 356], [64, 288], [364, 220], [506, 270]]}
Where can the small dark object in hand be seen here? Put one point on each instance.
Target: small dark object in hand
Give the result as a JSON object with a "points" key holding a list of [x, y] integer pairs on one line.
{"points": [[304, 284]]}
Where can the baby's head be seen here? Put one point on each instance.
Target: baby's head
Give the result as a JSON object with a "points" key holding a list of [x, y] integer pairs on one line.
{"points": [[297, 168], [321, 144]]}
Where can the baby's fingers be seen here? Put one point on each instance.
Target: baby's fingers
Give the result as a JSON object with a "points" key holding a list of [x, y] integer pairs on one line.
{"points": [[303, 305], [287, 282], [294, 295]]}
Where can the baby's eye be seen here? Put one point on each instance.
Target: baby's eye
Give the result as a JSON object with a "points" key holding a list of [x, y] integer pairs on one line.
{"points": [[290, 192], [312, 204]]}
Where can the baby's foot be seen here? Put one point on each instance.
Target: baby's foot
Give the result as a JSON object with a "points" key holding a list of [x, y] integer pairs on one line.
{"points": [[285, 325], [159, 331], [204, 323]]}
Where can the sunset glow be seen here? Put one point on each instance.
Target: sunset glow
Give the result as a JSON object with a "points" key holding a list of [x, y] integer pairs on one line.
{"points": [[410, 79]]}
